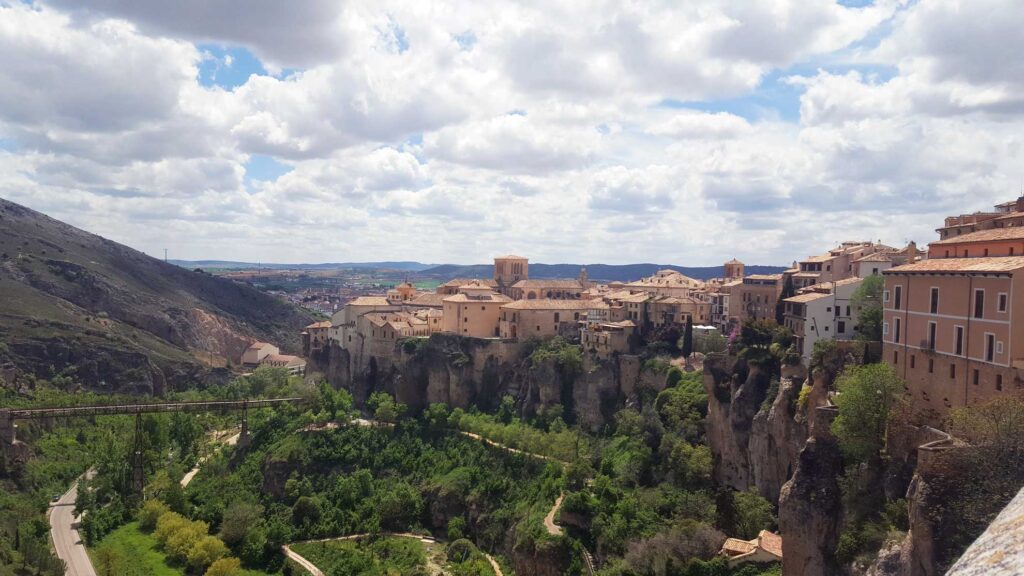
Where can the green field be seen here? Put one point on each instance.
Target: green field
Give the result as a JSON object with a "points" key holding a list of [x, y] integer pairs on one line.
{"points": [[135, 553]]}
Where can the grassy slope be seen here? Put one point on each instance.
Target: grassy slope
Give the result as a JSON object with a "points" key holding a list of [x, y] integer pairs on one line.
{"points": [[140, 552]]}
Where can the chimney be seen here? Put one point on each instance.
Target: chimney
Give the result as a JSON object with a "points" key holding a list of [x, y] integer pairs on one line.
{"points": [[911, 252], [1020, 204]]}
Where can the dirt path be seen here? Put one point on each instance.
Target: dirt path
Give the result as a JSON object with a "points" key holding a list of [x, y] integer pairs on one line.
{"points": [[549, 520], [187, 478], [312, 569]]}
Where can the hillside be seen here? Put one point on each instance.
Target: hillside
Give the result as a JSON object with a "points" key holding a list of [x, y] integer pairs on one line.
{"points": [[601, 272], [110, 318], [232, 265]]}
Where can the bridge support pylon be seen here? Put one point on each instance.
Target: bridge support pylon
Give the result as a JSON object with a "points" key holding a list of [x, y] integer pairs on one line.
{"points": [[138, 474], [243, 437]]}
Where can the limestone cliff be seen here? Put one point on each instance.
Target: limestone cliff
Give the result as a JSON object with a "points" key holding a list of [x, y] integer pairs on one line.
{"points": [[464, 372], [755, 444]]}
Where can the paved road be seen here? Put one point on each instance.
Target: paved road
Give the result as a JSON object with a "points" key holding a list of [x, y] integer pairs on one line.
{"points": [[64, 532]]}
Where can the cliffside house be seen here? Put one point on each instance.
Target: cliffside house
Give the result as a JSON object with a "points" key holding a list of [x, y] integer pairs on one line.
{"points": [[767, 547]]}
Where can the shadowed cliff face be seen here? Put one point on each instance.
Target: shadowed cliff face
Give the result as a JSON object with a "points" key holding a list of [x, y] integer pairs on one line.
{"points": [[755, 444], [113, 319], [464, 372]]}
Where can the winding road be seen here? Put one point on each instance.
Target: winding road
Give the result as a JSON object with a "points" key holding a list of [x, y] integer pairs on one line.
{"points": [[64, 532]]}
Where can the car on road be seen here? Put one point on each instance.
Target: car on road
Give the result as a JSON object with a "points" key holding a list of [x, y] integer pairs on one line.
{"points": [[56, 498]]}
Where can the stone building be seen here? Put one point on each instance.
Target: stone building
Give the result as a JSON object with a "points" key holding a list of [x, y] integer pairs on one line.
{"points": [[545, 318], [822, 312], [508, 270]]}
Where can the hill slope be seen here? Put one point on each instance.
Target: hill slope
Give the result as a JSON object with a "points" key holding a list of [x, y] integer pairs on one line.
{"points": [[111, 318], [602, 272]]}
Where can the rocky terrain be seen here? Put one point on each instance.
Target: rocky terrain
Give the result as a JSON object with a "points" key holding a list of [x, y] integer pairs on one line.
{"points": [[78, 309]]}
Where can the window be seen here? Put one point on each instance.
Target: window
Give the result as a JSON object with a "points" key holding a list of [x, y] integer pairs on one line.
{"points": [[1003, 301], [931, 366], [975, 377], [483, 308], [913, 361], [935, 301], [958, 341], [842, 327], [999, 381], [932, 326], [990, 347], [895, 357], [847, 311], [999, 347], [986, 251], [885, 328], [1011, 250], [952, 370], [885, 296], [556, 317], [979, 303], [898, 297], [947, 253], [896, 329]]}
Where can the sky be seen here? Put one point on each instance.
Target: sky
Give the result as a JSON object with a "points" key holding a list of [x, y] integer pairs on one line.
{"points": [[563, 130]]}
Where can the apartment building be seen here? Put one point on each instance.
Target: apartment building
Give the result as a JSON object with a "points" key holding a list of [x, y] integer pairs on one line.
{"points": [[949, 321], [823, 312]]}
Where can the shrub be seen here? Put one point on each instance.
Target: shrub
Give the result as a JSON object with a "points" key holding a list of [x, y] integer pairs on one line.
{"points": [[205, 552], [225, 567], [151, 511]]}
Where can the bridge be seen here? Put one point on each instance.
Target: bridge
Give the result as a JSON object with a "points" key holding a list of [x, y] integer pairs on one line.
{"points": [[13, 450]]}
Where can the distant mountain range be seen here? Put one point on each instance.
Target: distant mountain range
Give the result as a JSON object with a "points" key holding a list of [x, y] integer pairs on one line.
{"points": [[602, 272], [229, 265]]}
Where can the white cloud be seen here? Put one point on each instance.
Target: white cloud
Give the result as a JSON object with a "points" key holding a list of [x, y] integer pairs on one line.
{"points": [[449, 131]]}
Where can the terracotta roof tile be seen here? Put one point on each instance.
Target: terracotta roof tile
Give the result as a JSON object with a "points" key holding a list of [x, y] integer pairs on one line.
{"points": [[980, 265], [1011, 233], [546, 304]]}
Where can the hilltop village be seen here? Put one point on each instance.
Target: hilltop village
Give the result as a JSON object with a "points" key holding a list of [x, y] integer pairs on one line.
{"points": [[954, 300]]}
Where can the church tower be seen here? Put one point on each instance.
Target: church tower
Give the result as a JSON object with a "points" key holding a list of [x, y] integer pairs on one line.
{"points": [[734, 270], [508, 270]]}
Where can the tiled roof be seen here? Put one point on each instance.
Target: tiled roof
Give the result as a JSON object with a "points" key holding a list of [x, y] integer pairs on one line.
{"points": [[456, 282], [876, 257], [546, 304], [492, 297], [369, 301], [770, 542], [980, 265], [807, 297], [765, 277], [315, 325], [1011, 233], [259, 345], [563, 284], [427, 299]]}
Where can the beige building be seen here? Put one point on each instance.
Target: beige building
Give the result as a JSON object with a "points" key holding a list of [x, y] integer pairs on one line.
{"points": [[756, 297], [823, 312], [666, 283], [315, 337], [452, 286], [734, 270], [508, 270], [404, 292], [605, 339], [552, 289], [474, 313], [257, 352], [767, 547], [548, 317], [677, 310], [343, 322]]}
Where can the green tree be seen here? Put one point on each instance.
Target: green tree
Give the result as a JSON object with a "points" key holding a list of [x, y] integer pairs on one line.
{"points": [[225, 567], [688, 338], [384, 407], [753, 514], [866, 398], [151, 511], [507, 409], [239, 518], [867, 301], [205, 552]]}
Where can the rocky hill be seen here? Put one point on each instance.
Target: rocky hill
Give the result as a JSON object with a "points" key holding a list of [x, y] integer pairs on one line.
{"points": [[82, 310]]}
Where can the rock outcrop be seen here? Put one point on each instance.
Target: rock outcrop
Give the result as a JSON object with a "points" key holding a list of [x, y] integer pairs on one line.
{"points": [[755, 444], [810, 506], [463, 372]]}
